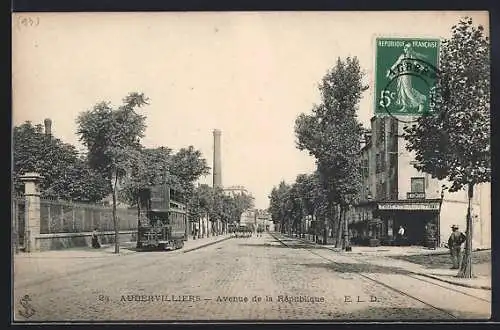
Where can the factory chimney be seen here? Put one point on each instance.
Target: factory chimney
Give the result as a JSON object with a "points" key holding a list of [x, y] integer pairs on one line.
{"points": [[48, 127], [217, 166]]}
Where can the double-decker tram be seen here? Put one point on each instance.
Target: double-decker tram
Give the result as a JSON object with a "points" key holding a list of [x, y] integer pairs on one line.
{"points": [[162, 219]]}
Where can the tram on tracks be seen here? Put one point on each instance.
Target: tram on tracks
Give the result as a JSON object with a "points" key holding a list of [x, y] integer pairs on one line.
{"points": [[162, 219]]}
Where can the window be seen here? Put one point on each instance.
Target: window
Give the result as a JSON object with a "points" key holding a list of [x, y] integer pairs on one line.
{"points": [[394, 127], [382, 163], [394, 159], [418, 185], [381, 130], [364, 167], [381, 190], [394, 191]]}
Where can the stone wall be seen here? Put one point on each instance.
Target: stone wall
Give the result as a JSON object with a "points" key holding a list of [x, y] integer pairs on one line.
{"points": [[41, 224], [71, 240]]}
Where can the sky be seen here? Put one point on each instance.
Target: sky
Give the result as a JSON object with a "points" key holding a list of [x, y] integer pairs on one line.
{"points": [[249, 74]]}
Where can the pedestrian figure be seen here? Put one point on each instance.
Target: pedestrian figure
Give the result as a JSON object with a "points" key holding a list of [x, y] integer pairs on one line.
{"points": [[457, 238], [401, 235], [95, 239], [401, 231]]}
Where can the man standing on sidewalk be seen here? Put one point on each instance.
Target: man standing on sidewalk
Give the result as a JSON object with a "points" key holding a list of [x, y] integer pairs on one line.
{"points": [[401, 235], [454, 244], [95, 239]]}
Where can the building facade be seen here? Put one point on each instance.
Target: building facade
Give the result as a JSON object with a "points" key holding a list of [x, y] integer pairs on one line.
{"points": [[395, 194], [257, 218], [235, 190]]}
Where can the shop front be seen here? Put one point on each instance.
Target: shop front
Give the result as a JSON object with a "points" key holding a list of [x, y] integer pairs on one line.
{"points": [[363, 224], [409, 222], [382, 221]]}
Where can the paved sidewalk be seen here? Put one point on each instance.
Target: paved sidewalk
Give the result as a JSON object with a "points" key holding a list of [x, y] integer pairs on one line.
{"points": [[381, 256], [47, 264], [445, 275], [108, 250], [384, 250]]}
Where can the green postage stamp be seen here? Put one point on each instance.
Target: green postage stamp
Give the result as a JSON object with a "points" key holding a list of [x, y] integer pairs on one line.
{"points": [[405, 73]]}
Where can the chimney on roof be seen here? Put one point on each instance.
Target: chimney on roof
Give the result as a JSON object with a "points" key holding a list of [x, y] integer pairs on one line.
{"points": [[48, 126]]}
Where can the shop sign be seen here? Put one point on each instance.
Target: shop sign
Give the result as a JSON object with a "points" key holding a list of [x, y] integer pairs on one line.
{"points": [[409, 207], [415, 195]]}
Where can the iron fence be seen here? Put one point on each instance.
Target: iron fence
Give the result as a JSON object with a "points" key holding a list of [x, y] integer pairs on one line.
{"points": [[57, 216]]}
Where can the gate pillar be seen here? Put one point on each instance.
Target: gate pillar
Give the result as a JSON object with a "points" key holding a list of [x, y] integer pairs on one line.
{"points": [[32, 210]]}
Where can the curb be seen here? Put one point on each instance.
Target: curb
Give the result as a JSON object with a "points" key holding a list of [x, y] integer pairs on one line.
{"points": [[467, 285], [105, 248], [321, 246], [205, 245]]}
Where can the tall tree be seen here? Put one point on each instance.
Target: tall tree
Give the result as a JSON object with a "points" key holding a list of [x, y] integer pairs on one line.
{"points": [[66, 175], [217, 209], [453, 141], [278, 206], [201, 202], [188, 165], [332, 133], [112, 137], [151, 168], [308, 190], [242, 202]]}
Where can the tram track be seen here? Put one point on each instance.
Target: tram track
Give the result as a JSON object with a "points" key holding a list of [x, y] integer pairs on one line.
{"points": [[392, 288]]}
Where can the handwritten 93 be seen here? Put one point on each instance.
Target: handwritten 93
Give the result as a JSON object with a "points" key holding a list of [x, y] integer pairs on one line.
{"points": [[23, 21]]}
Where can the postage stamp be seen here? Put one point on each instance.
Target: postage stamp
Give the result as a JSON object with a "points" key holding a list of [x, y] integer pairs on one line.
{"points": [[406, 76], [248, 166]]}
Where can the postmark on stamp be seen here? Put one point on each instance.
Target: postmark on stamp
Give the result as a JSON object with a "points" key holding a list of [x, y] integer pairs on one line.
{"points": [[406, 79]]}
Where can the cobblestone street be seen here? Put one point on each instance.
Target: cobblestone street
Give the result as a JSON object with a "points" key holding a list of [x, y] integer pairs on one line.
{"points": [[256, 278]]}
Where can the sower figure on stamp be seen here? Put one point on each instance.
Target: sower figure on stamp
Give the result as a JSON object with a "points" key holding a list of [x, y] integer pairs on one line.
{"points": [[95, 239], [406, 95], [457, 238]]}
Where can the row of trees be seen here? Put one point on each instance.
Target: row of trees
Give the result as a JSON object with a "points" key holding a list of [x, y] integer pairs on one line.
{"points": [[291, 203], [213, 203], [117, 163], [67, 174], [332, 135], [452, 142]]}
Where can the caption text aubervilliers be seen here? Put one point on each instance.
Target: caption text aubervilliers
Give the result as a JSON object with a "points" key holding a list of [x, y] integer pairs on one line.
{"points": [[152, 298]]}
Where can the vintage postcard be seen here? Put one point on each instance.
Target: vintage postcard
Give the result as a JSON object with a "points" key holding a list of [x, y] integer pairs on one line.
{"points": [[251, 166]]}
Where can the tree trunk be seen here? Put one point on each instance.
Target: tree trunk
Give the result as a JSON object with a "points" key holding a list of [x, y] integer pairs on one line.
{"points": [[466, 267], [115, 219], [339, 227], [325, 229], [138, 222], [346, 233]]}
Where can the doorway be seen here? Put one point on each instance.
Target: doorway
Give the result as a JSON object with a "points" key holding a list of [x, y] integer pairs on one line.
{"points": [[414, 223]]}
